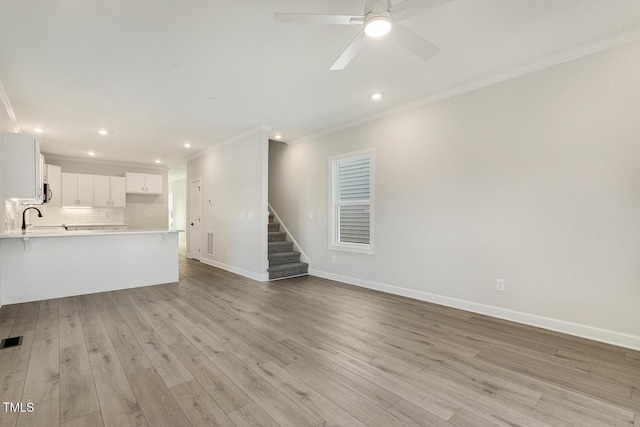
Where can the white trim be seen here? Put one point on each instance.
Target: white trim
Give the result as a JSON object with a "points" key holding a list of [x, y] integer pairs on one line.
{"points": [[264, 205], [571, 328], [288, 277], [242, 272], [238, 137], [580, 52], [333, 243], [54, 157], [297, 247], [190, 217], [9, 108]]}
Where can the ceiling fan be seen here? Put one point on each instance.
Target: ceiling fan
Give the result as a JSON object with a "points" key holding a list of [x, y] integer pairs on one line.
{"points": [[379, 19]]}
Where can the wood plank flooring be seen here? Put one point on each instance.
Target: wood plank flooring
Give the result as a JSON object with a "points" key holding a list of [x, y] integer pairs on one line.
{"points": [[218, 349]]}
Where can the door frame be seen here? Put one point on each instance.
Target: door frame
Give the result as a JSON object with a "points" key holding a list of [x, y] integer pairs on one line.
{"points": [[191, 255]]}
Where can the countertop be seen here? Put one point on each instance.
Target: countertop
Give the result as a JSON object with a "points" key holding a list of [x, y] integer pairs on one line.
{"points": [[77, 233]]}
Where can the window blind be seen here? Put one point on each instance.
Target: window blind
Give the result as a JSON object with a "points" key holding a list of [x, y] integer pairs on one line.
{"points": [[354, 200]]}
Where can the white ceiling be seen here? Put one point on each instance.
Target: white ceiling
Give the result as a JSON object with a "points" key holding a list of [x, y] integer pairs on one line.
{"points": [[158, 73]]}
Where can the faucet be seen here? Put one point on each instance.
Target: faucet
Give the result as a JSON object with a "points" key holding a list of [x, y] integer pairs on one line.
{"points": [[24, 225]]}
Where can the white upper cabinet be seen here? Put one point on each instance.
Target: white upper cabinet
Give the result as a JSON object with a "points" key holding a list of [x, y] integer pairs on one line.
{"points": [[77, 190], [54, 185], [109, 191], [140, 183], [154, 184], [23, 168], [118, 192]]}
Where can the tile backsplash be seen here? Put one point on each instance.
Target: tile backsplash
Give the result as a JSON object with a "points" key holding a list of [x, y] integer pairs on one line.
{"points": [[11, 221], [70, 216]]}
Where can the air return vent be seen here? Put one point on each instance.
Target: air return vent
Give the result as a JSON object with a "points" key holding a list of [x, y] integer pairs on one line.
{"points": [[211, 244], [10, 342]]}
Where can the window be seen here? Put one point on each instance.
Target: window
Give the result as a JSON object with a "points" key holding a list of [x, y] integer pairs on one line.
{"points": [[351, 189]]}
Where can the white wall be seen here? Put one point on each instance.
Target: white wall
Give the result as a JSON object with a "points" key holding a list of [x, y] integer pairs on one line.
{"points": [[142, 211], [234, 177], [534, 180], [179, 189], [6, 125]]}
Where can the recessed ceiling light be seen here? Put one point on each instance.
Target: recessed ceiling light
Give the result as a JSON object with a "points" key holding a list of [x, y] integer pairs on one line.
{"points": [[278, 136], [91, 153], [376, 96], [158, 161], [103, 132], [38, 130], [187, 145]]}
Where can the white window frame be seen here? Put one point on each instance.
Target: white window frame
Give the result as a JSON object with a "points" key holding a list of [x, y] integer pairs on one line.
{"points": [[334, 244]]}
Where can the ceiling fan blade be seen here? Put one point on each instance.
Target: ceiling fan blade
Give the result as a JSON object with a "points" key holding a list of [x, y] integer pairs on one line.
{"points": [[319, 19], [408, 8], [349, 53], [413, 42]]}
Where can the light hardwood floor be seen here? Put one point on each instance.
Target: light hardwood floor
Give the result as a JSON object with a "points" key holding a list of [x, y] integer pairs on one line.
{"points": [[221, 350]]}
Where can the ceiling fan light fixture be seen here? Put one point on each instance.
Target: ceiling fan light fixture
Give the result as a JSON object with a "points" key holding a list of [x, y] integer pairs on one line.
{"points": [[378, 25]]}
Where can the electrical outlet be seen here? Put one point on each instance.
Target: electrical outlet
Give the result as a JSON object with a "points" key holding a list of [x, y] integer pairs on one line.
{"points": [[228, 252], [333, 259], [250, 215], [241, 215], [311, 215], [500, 285]]}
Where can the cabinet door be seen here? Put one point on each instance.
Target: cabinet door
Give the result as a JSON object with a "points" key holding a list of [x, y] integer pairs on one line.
{"points": [[101, 196], [22, 174], [85, 190], [118, 192], [53, 180], [69, 189], [135, 182], [153, 184]]}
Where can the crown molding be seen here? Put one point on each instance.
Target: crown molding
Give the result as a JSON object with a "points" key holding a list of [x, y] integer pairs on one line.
{"points": [[599, 46], [236, 138], [51, 157]]}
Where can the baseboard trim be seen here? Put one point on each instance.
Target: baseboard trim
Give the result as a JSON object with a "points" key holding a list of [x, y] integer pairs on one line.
{"points": [[575, 329], [236, 270], [288, 277]]}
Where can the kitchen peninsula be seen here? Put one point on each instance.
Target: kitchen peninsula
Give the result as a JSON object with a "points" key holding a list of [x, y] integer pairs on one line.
{"points": [[46, 264]]}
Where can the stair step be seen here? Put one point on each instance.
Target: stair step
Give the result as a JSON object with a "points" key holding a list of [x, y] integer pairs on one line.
{"points": [[277, 247], [277, 236], [274, 226], [288, 270], [283, 258]]}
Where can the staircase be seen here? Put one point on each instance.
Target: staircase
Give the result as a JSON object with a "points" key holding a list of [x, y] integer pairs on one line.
{"points": [[283, 260]]}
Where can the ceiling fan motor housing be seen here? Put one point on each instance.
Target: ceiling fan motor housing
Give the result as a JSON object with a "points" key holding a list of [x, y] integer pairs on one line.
{"points": [[377, 18]]}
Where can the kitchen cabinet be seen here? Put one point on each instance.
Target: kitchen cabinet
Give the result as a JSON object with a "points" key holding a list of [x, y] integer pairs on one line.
{"points": [[109, 191], [140, 183], [77, 190], [54, 185], [23, 168]]}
